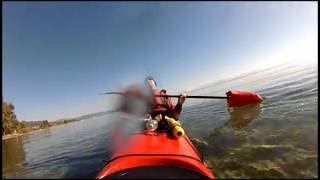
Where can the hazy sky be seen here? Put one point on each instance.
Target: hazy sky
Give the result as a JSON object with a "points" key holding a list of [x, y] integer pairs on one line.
{"points": [[57, 56]]}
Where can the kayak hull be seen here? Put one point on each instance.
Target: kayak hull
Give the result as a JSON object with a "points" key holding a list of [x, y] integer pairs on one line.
{"points": [[155, 149]]}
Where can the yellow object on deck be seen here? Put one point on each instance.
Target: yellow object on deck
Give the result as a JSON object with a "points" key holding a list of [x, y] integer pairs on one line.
{"points": [[175, 126]]}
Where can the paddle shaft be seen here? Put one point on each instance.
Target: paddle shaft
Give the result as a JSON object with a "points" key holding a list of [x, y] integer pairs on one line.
{"points": [[195, 97], [177, 96]]}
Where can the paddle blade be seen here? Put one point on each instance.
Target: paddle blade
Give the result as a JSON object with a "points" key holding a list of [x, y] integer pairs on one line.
{"points": [[241, 98]]}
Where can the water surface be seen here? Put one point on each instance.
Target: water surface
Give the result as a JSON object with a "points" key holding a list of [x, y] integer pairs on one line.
{"points": [[276, 139]]}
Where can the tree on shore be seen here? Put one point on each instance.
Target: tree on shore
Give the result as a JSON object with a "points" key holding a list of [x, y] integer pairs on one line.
{"points": [[10, 124], [9, 119]]}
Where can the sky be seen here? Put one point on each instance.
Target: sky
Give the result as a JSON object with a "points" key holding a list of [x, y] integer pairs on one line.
{"points": [[58, 56]]}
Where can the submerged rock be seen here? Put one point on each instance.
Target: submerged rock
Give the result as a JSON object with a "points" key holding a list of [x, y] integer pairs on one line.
{"points": [[201, 145]]}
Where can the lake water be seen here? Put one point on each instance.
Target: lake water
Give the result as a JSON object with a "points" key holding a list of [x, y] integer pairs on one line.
{"points": [[276, 139]]}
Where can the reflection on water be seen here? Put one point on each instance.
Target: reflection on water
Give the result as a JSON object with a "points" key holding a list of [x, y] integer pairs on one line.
{"points": [[13, 154], [242, 116], [276, 139]]}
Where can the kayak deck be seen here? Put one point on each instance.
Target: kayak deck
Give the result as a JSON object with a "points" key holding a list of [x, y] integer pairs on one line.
{"points": [[155, 149]]}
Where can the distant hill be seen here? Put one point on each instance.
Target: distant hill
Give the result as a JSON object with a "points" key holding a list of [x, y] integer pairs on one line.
{"points": [[97, 114], [64, 120], [33, 123]]}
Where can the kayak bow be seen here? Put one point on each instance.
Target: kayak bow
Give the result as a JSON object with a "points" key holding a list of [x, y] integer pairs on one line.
{"points": [[156, 155]]}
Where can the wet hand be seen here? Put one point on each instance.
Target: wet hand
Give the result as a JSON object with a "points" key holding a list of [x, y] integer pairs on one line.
{"points": [[182, 97], [158, 118]]}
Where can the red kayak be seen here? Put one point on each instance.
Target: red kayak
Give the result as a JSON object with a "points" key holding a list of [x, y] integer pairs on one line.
{"points": [[156, 155]]}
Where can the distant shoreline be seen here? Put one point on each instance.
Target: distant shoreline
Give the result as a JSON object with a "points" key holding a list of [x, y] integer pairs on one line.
{"points": [[20, 134], [11, 136]]}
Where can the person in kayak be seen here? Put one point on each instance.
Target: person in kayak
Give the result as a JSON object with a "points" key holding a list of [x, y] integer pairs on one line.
{"points": [[161, 106]]}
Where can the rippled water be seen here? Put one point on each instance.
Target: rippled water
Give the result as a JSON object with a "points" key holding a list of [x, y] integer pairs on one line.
{"points": [[276, 139]]}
